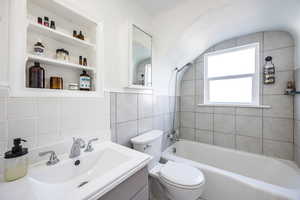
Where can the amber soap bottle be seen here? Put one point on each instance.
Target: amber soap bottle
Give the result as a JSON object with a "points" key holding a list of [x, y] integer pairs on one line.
{"points": [[36, 76]]}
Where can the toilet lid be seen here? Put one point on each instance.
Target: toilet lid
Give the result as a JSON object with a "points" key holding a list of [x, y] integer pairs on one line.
{"points": [[181, 174]]}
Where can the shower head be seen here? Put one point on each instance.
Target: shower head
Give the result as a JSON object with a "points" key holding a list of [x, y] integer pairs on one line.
{"points": [[182, 68]]}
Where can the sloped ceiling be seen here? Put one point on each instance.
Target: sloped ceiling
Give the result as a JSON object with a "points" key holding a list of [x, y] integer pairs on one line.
{"points": [[186, 28]]}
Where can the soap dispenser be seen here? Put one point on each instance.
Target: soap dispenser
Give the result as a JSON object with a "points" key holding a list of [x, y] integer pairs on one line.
{"points": [[16, 161]]}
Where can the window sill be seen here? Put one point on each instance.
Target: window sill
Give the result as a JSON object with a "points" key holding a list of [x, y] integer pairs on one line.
{"points": [[235, 105]]}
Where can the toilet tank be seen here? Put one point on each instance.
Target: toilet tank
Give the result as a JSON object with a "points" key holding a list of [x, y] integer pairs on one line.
{"points": [[149, 143]]}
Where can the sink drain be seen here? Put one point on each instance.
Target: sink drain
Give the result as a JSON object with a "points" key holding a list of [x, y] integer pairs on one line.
{"points": [[82, 184]]}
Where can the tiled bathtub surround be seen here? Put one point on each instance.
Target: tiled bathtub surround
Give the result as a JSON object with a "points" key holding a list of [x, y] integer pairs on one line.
{"points": [[134, 114], [262, 131], [48, 121], [297, 119]]}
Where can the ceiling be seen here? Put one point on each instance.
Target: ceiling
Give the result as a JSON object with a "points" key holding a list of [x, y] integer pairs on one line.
{"points": [[156, 7]]}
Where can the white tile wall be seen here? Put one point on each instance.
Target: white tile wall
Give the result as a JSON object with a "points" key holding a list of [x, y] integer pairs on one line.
{"points": [[277, 39], [278, 149], [127, 107], [249, 144], [224, 123], [224, 140], [147, 112], [246, 129], [47, 121]]}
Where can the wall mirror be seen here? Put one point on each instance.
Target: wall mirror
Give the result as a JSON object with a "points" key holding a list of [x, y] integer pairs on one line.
{"points": [[141, 58]]}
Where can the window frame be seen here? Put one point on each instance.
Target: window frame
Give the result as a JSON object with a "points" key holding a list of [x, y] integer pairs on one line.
{"points": [[255, 76]]}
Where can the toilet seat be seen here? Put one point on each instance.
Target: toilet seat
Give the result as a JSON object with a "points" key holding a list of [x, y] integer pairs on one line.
{"points": [[181, 175]]}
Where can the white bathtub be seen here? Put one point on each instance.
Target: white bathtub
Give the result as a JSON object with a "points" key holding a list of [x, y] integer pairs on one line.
{"points": [[236, 175]]}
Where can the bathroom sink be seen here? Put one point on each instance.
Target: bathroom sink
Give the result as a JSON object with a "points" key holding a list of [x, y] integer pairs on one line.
{"points": [[86, 177], [85, 168]]}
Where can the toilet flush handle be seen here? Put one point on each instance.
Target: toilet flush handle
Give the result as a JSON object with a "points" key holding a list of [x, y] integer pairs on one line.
{"points": [[147, 146]]}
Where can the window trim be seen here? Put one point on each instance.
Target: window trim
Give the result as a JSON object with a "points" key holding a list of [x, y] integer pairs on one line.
{"points": [[255, 76]]}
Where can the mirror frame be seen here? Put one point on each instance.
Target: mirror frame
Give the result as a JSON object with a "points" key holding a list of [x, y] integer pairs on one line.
{"points": [[130, 59]]}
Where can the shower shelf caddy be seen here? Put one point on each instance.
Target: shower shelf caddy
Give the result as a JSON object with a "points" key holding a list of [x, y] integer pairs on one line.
{"points": [[25, 32]]}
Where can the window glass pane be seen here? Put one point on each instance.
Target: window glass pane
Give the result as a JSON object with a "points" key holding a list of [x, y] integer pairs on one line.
{"points": [[231, 63], [237, 90]]}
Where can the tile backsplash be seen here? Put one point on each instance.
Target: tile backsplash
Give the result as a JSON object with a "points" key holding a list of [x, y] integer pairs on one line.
{"points": [[46, 121], [261, 131], [133, 114]]}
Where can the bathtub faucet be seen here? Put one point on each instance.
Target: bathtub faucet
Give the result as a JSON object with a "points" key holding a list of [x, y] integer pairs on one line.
{"points": [[173, 136]]}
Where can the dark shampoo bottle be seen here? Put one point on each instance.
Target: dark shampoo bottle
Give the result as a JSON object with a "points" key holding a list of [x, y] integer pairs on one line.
{"points": [[36, 76]]}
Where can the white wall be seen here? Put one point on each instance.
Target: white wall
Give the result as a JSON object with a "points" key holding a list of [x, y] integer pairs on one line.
{"points": [[45, 121], [3, 42]]}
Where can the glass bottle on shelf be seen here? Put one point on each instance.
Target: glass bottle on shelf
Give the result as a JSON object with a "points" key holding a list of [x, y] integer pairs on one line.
{"points": [[85, 81], [36, 76]]}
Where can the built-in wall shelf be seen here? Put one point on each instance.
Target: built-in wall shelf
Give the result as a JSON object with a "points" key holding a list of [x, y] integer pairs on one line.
{"points": [[54, 62], [26, 32], [57, 35]]}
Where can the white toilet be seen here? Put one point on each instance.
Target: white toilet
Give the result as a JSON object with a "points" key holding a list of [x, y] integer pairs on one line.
{"points": [[180, 181]]}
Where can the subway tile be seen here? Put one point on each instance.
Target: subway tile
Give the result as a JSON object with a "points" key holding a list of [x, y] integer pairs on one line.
{"points": [[249, 126], [276, 149], [199, 87], [283, 59], [3, 130], [204, 136], [225, 45], [224, 140], [145, 125], [280, 84], [158, 122], [172, 103], [187, 134], [297, 133], [277, 39], [281, 106], [168, 122], [249, 144], [278, 129], [249, 111], [297, 77], [20, 108], [199, 71], [22, 128], [224, 123], [204, 109], [224, 110], [187, 119], [189, 74], [249, 39], [145, 105], [48, 112], [70, 112], [126, 131], [127, 107], [161, 105], [113, 111], [204, 121], [187, 103], [46, 140], [2, 109], [297, 156], [187, 88], [297, 107], [113, 132]]}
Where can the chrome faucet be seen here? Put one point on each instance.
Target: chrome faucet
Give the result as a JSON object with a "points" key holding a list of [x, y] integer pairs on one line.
{"points": [[173, 137], [53, 158], [89, 147], [78, 144]]}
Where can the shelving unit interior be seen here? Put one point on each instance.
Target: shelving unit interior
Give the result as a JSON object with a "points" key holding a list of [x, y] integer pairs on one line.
{"points": [[66, 20]]}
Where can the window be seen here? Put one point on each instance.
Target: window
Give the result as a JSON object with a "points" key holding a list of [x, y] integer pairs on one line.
{"points": [[231, 76]]}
